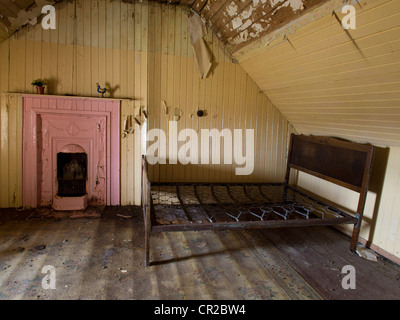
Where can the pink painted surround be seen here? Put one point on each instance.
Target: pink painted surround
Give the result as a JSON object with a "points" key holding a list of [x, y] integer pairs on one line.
{"points": [[53, 124]]}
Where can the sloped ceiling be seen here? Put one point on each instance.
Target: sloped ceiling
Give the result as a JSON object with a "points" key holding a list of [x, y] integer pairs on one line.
{"points": [[324, 79], [330, 81]]}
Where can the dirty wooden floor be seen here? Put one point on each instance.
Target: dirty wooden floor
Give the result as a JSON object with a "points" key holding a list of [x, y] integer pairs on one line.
{"points": [[99, 255]]}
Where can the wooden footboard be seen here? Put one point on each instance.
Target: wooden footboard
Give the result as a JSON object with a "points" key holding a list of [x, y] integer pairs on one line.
{"points": [[222, 206], [146, 207]]}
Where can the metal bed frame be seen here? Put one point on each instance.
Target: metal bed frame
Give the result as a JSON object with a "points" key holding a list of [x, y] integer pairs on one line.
{"points": [[222, 206]]}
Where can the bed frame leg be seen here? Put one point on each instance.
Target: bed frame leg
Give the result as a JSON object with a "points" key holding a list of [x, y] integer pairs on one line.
{"points": [[354, 238], [147, 249], [147, 234], [356, 233]]}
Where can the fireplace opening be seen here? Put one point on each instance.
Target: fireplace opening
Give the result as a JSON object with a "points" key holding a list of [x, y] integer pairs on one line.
{"points": [[71, 174]]}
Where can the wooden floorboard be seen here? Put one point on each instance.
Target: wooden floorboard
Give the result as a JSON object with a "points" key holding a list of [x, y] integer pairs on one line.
{"points": [[320, 253], [103, 258]]}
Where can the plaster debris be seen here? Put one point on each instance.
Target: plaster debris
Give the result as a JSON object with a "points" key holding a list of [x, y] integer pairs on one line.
{"points": [[366, 253], [124, 216]]}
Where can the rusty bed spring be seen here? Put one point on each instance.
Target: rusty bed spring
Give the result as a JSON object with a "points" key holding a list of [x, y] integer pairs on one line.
{"points": [[180, 203], [222, 206]]}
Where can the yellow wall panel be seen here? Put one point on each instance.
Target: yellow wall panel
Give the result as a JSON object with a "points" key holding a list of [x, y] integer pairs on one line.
{"points": [[229, 96], [142, 52], [94, 41], [380, 227]]}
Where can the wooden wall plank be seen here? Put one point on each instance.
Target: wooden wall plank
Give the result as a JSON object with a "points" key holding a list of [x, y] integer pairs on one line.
{"points": [[4, 150], [144, 50]]}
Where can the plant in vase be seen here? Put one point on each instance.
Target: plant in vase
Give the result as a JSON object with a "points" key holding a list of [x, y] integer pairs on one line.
{"points": [[39, 84]]}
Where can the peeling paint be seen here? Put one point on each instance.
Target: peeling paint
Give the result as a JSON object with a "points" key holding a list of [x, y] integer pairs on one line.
{"points": [[236, 22], [246, 14], [241, 37], [294, 4], [269, 37], [275, 2], [245, 25], [257, 27], [232, 9], [28, 16]]}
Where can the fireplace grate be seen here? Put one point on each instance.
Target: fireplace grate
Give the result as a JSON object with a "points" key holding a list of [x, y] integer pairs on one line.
{"points": [[71, 174], [71, 187]]}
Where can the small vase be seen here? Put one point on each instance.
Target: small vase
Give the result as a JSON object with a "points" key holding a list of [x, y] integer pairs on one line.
{"points": [[40, 90]]}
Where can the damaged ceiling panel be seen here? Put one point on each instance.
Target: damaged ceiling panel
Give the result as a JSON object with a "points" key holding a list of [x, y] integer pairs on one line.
{"points": [[14, 14], [239, 22]]}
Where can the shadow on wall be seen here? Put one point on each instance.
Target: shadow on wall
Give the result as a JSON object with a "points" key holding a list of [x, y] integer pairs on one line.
{"points": [[208, 173], [378, 173], [52, 85]]}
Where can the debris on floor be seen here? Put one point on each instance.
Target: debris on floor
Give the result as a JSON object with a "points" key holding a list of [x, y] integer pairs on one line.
{"points": [[123, 216], [366, 253], [49, 213], [40, 247]]}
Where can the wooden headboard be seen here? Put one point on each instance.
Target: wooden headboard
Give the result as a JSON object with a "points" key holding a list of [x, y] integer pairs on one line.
{"points": [[345, 163], [342, 162]]}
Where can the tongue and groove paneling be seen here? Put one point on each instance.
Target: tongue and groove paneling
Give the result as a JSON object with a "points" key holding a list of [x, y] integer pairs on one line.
{"points": [[324, 83]]}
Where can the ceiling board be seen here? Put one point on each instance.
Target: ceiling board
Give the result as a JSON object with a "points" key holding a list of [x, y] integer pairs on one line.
{"points": [[237, 23], [240, 22]]}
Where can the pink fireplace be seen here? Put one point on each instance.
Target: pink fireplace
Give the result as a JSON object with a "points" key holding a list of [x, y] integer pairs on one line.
{"points": [[70, 152]]}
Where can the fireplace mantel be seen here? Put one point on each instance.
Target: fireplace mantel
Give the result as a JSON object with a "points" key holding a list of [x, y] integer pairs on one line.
{"points": [[25, 94], [50, 124]]}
